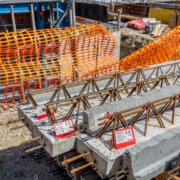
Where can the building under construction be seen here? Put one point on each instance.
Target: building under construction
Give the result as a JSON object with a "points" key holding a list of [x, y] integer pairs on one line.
{"points": [[97, 86]]}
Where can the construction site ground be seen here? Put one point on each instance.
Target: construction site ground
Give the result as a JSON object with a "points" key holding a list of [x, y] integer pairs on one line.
{"points": [[14, 162], [132, 40]]}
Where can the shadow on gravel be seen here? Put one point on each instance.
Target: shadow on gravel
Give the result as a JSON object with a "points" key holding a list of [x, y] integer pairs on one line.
{"points": [[37, 165]]}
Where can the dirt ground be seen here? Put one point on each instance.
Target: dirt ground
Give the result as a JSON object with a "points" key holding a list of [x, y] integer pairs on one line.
{"points": [[14, 162], [132, 40]]}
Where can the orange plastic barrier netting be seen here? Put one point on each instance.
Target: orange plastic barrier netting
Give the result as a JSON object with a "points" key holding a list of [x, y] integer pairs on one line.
{"points": [[42, 58], [163, 49], [34, 59]]}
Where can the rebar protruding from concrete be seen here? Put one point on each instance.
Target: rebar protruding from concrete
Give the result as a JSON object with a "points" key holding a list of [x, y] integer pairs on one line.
{"points": [[17, 127], [14, 121], [75, 158], [163, 103], [31, 140], [34, 148], [82, 167]]}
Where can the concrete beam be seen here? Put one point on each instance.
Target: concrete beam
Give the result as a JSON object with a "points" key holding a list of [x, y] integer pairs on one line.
{"points": [[42, 128], [150, 158], [144, 160], [90, 116]]}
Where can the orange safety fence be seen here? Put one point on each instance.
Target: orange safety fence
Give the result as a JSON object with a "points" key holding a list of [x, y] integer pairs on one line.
{"points": [[163, 49], [37, 59], [42, 58]]}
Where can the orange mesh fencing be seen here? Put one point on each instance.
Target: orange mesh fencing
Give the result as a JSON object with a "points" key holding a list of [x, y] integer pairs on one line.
{"points": [[163, 49], [37, 59], [42, 58]]}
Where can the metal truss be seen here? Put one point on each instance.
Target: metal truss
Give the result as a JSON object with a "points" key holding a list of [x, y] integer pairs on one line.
{"points": [[116, 87], [136, 113]]}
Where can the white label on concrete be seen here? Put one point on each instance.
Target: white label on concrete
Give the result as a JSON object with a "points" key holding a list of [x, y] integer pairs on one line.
{"points": [[41, 114], [40, 110], [63, 127], [123, 136], [100, 116]]}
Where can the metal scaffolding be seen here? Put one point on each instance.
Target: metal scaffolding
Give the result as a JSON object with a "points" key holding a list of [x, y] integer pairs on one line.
{"points": [[43, 13]]}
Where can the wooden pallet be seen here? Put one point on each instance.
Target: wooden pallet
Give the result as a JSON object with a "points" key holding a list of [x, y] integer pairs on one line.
{"points": [[172, 175]]}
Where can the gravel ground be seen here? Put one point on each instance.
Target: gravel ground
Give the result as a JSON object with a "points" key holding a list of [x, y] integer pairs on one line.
{"points": [[14, 162]]}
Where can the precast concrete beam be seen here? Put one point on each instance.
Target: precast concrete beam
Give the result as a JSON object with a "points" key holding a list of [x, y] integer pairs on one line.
{"points": [[148, 159], [144, 160], [43, 129], [90, 116]]}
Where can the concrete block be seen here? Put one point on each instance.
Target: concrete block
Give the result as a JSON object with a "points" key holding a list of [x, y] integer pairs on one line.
{"points": [[146, 159], [41, 128], [150, 158], [117, 35], [107, 162]]}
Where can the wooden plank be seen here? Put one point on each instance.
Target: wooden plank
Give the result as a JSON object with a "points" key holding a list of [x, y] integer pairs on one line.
{"points": [[160, 30], [130, 17], [157, 26], [178, 19], [165, 175], [168, 175], [126, 16], [173, 20]]}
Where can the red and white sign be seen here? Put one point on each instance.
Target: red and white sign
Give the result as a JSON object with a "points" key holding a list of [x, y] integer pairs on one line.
{"points": [[98, 116], [41, 114], [64, 128], [124, 137]]}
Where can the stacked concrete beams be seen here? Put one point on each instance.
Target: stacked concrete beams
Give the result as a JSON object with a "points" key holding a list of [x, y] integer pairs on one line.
{"points": [[90, 116]]}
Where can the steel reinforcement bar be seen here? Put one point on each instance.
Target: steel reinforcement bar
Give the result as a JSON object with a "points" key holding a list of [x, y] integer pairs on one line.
{"points": [[110, 93], [61, 92], [119, 119]]}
